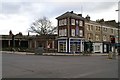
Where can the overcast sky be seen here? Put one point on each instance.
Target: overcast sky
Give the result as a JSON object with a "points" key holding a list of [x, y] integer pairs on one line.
{"points": [[17, 15]]}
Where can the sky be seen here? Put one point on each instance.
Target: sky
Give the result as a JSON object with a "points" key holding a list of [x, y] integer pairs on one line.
{"points": [[18, 15]]}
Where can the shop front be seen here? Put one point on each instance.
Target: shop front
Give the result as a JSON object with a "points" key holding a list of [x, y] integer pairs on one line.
{"points": [[76, 45], [62, 45], [71, 45], [97, 47]]}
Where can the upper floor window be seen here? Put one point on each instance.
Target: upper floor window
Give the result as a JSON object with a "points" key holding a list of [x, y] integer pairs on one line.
{"points": [[72, 32], [104, 38], [105, 29], [97, 37], [89, 36], [91, 28], [81, 33], [62, 32], [88, 27], [72, 21], [80, 23], [97, 28], [112, 31], [62, 22]]}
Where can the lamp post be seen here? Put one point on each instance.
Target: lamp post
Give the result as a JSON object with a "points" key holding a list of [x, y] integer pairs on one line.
{"points": [[118, 25]]}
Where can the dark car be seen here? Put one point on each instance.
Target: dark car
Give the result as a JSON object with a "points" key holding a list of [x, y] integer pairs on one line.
{"points": [[118, 48]]}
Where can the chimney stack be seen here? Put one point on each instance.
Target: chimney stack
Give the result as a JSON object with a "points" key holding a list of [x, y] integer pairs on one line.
{"points": [[80, 15]]}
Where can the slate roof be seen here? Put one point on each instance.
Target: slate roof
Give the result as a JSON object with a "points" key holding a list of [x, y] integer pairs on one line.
{"points": [[71, 15]]}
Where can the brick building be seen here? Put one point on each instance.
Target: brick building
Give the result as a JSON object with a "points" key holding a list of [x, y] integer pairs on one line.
{"points": [[70, 32]]}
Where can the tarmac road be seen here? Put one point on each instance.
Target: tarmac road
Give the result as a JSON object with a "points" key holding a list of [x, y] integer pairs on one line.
{"points": [[36, 66]]}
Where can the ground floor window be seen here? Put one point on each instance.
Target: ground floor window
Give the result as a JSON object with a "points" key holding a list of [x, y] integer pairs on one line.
{"points": [[62, 46], [97, 48], [75, 46]]}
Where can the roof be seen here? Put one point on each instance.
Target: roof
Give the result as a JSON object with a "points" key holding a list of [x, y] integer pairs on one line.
{"points": [[70, 14], [111, 23], [92, 22]]}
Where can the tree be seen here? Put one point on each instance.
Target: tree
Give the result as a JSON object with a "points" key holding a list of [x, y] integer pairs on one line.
{"points": [[42, 26]]}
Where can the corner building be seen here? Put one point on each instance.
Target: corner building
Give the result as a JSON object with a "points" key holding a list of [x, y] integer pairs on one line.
{"points": [[70, 33]]}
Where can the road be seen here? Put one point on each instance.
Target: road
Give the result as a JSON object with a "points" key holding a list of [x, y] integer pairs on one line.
{"points": [[36, 66]]}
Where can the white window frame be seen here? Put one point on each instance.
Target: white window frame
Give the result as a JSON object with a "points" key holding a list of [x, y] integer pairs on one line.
{"points": [[60, 32], [72, 32], [72, 21], [81, 33], [65, 32], [65, 21], [80, 23]]}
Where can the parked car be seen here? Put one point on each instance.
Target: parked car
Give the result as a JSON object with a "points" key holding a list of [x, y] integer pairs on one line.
{"points": [[118, 48]]}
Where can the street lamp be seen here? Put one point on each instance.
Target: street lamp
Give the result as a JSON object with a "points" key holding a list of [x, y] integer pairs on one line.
{"points": [[118, 23]]}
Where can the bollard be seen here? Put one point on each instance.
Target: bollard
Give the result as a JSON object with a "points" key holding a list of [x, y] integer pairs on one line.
{"points": [[110, 55]]}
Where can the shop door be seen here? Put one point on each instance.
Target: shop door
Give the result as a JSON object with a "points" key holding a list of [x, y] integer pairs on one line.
{"points": [[75, 46]]}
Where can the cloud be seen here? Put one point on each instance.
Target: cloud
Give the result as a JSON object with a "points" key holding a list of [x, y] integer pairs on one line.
{"points": [[19, 14]]}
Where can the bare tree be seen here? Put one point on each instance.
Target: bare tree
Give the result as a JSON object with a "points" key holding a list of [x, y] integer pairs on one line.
{"points": [[42, 26]]}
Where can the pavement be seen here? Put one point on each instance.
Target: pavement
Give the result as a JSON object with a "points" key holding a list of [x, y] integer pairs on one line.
{"points": [[54, 54]]}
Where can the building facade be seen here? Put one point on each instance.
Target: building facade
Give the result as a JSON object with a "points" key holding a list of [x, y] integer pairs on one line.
{"points": [[100, 34], [70, 32]]}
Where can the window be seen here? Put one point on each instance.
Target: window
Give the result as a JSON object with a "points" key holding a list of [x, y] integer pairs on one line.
{"points": [[97, 37], [112, 31], [73, 32], [60, 33], [72, 21], [81, 33], [80, 23], [104, 38], [77, 22], [105, 29], [89, 36], [62, 46], [65, 31], [97, 48], [97, 28], [59, 22], [62, 22], [65, 21], [88, 27], [91, 27]]}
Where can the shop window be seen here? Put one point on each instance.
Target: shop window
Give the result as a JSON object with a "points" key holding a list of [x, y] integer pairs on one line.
{"points": [[75, 46], [97, 48], [62, 46]]}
